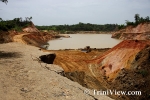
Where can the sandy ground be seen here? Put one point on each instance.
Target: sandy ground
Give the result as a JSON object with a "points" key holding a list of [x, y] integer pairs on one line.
{"points": [[22, 77], [18, 38]]}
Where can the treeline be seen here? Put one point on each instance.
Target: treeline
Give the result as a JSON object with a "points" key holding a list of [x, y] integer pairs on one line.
{"points": [[138, 20], [80, 27], [15, 24], [94, 27]]}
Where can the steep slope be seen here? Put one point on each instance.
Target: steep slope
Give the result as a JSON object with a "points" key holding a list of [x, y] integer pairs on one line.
{"points": [[122, 65], [140, 32], [118, 57], [30, 28], [37, 39], [75, 67], [137, 78]]}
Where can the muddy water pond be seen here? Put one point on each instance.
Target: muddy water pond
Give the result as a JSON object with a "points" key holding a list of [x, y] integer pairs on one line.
{"points": [[77, 41]]}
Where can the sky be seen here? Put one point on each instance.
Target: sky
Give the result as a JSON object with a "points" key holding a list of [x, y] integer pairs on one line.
{"points": [[60, 12]]}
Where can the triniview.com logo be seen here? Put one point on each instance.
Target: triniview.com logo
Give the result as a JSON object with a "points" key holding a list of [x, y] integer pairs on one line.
{"points": [[112, 92]]}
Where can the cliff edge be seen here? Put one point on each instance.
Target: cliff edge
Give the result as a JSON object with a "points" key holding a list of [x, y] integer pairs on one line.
{"points": [[140, 32], [125, 67]]}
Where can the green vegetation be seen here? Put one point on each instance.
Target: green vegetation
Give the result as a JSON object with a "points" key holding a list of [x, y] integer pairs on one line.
{"points": [[138, 20], [94, 27], [80, 27], [15, 24]]}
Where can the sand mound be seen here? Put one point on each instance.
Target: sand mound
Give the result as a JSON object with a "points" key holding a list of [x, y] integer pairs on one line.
{"points": [[31, 28]]}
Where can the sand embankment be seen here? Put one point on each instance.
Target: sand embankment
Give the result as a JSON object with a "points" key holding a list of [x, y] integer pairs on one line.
{"points": [[23, 78], [139, 32]]}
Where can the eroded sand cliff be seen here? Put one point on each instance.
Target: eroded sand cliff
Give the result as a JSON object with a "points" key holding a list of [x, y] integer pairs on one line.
{"points": [[124, 67], [139, 32]]}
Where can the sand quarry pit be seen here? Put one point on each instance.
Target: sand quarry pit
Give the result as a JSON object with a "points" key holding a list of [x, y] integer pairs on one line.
{"points": [[123, 67], [24, 77]]}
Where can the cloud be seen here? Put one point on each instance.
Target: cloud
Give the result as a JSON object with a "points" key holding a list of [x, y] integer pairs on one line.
{"points": [[49, 12]]}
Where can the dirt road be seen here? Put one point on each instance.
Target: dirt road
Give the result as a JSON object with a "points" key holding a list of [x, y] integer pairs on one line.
{"points": [[22, 77], [18, 38]]}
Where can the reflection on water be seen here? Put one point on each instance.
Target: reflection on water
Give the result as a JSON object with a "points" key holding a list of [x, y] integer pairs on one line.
{"points": [[81, 40]]}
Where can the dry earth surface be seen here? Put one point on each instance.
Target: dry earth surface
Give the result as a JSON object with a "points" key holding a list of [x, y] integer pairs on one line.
{"points": [[24, 78]]}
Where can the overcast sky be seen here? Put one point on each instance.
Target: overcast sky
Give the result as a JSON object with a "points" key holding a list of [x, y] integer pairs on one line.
{"points": [[60, 12]]}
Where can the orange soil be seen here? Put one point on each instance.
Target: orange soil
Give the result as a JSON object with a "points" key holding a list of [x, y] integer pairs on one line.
{"points": [[118, 57], [140, 32], [74, 60]]}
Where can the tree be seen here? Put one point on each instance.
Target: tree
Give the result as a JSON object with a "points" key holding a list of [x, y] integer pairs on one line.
{"points": [[141, 20], [16, 19], [129, 23], [6, 1], [1, 19], [147, 19], [20, 19], [30, 18], [15, 24], [137, 18]]}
